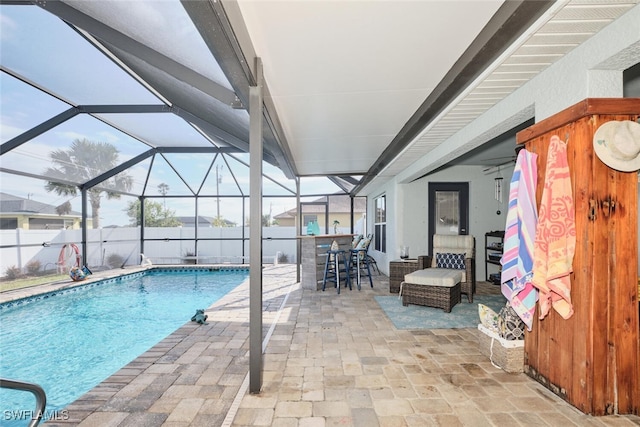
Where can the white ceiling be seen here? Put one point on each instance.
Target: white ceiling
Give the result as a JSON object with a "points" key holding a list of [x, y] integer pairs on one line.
{"points": [[345, 76]]}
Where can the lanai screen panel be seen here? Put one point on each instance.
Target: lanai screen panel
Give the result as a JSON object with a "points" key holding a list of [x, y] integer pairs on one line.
{"points": [[24, 107], [43, 154], [47, 51], [159, 129], [164, 26], [159, 43]]}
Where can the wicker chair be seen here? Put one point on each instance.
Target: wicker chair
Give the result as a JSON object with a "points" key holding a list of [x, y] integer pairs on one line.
{"points": [[458, 244], [441, 287]]}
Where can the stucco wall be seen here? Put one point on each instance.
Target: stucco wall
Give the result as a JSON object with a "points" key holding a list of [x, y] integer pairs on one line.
{"points": [[482, 207], [407, 211]]}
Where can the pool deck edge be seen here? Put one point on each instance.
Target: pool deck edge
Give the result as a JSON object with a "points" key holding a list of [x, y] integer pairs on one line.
{"points": [[198, 370]]}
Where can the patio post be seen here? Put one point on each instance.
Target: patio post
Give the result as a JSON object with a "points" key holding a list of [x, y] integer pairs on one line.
{"points": [[255, 232], [83, 193]]}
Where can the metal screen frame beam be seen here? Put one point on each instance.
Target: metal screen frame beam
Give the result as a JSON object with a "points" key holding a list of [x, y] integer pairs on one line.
{"points": [[107, 34], [255, 233], [222, 28], [38, 130], [83, 193]]}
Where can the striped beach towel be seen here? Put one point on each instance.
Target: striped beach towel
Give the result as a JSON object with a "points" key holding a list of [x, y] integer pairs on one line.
{"points": [[519, 236]]}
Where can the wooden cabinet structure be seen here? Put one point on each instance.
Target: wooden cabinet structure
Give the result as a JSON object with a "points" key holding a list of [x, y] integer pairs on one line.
{"points": [[592, 359]]}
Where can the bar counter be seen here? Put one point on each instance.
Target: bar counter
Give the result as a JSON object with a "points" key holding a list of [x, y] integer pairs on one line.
{"points": [[314, 254]]}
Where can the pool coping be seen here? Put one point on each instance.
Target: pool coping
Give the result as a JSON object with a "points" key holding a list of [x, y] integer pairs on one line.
{"points": [[30, 291], [62, 285]]}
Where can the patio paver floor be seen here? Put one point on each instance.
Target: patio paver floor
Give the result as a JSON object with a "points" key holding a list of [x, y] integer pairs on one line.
{"points": [[331, 360]]}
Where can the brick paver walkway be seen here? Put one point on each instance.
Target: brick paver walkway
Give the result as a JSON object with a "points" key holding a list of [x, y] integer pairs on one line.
{"points": [[331, 360]]}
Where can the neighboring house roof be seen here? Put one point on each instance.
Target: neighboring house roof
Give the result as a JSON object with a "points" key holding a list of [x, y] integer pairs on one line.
{"points": [[10, 204], [286, 215], [337, 204]]}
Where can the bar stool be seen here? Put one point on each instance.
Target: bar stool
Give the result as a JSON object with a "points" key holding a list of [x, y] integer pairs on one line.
{"points": [[332, 269], [360, 262]]}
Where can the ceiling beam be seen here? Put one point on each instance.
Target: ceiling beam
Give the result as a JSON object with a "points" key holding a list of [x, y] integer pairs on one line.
{"points": [[38, 130], [198, 150], [87, 109], [337, 181], [124, 109], [143, 156], [223, 30], [152, 57], [114, 171], [37, 176]]}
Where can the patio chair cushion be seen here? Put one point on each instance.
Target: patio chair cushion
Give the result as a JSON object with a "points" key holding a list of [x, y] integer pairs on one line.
{"points": [[451, 261], [488, 317], [363, 243], [453, 244], [435, 277]]}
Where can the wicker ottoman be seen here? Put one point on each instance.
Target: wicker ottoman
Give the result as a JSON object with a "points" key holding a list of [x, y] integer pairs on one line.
{"points": [[432, 287], [398, 269]]}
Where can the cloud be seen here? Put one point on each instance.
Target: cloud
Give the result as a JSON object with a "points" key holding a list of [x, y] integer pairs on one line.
{"points": [[9, 28], [105, 136], [70, 135], [7, 131], [101, 136]]}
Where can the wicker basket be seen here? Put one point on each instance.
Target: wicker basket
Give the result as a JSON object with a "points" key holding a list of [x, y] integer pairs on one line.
{"points": [[507, 355]]}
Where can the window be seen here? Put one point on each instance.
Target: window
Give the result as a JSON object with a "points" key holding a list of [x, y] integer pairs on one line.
{"points": [[306, 219], [380, 224], [8, 223], [45, 224]]}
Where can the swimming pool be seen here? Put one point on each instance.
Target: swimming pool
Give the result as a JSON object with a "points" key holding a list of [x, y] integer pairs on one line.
{"points": [[69, 341]]}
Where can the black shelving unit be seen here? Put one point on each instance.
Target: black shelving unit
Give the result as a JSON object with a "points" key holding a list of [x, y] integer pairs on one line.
{"points": [[493, 244]]}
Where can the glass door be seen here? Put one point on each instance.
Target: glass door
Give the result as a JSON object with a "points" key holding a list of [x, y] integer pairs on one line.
{"points": [[448, 209]]}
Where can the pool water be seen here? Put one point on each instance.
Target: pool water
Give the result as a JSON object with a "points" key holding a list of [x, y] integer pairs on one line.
{"points": [[71, 341]]}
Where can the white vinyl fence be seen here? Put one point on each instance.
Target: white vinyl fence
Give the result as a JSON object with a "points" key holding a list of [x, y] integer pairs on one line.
{"points": [[114, 247]]}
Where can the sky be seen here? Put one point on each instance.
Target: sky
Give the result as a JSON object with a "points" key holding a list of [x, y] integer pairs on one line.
{"points": [[31, 41]]}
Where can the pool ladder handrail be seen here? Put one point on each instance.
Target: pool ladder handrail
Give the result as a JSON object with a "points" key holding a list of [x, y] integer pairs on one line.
{"points": [[38, 392]]}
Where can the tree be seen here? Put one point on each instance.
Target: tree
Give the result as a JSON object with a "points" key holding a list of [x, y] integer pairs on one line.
{"points": [[64, 209], [155, 215], [163, 189], [266, 221], [219, 222], [83, 161]]}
